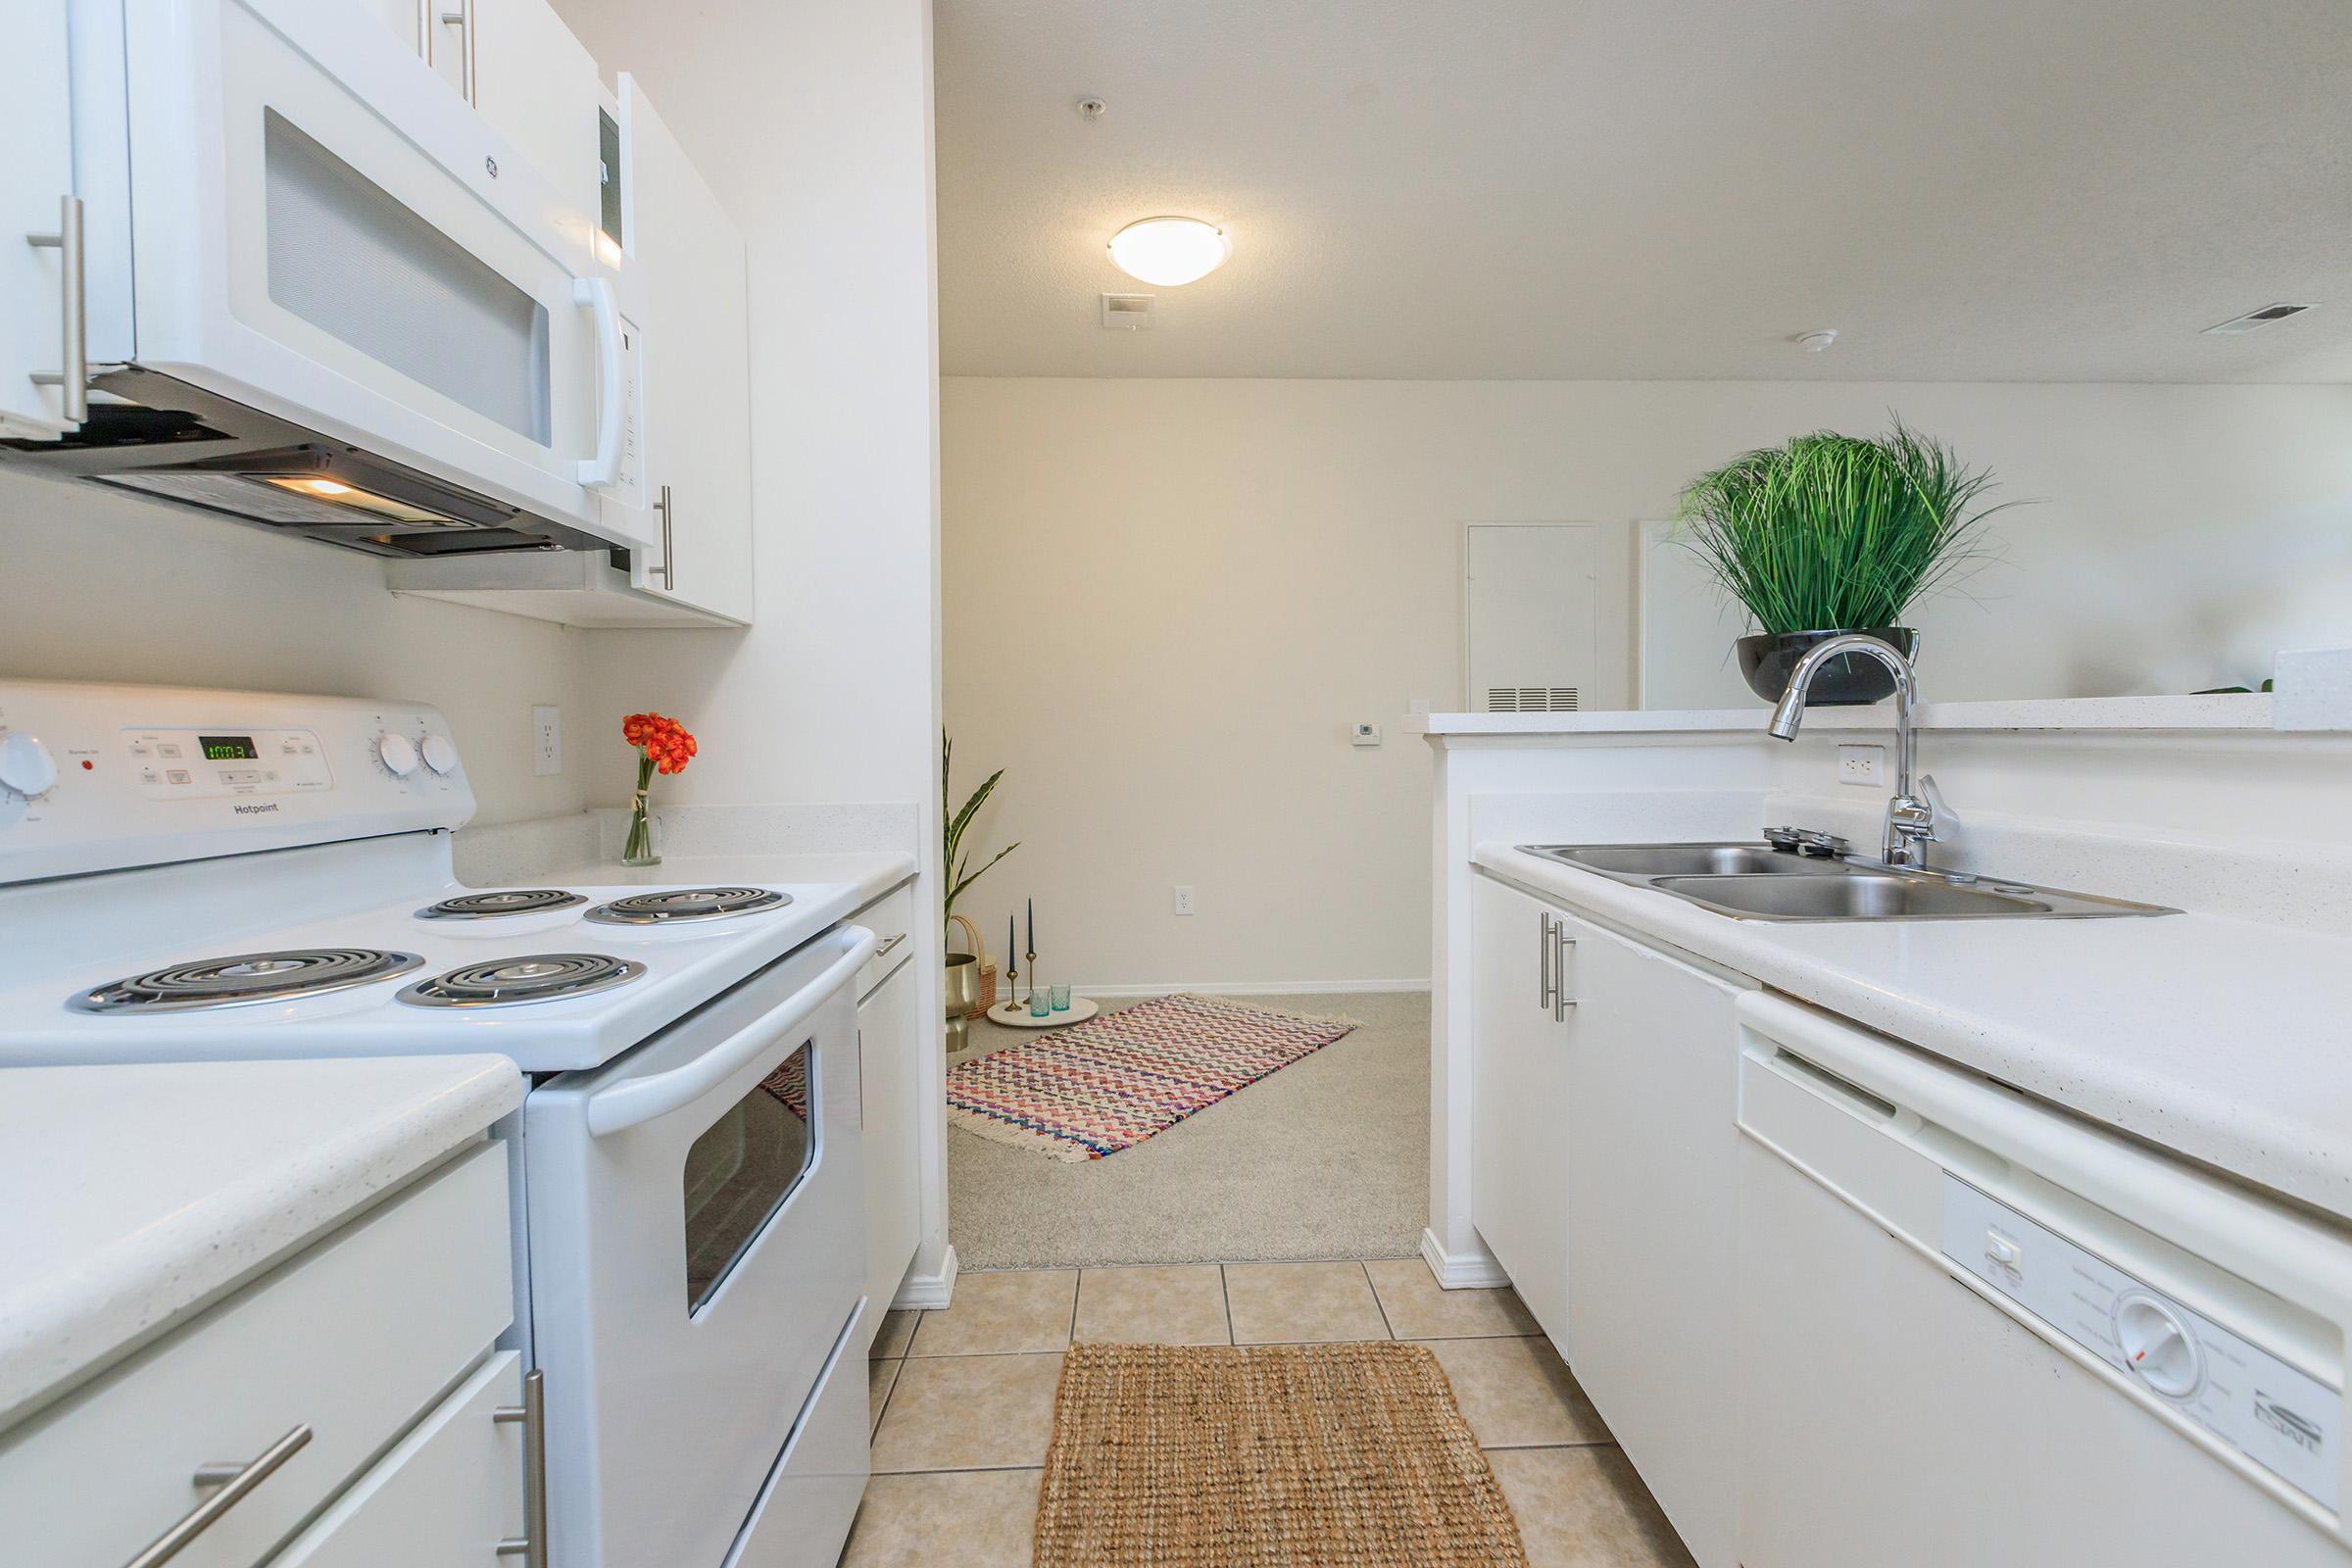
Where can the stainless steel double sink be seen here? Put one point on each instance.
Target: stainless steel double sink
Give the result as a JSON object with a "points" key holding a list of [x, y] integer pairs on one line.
{"points": [[1759, 882]]}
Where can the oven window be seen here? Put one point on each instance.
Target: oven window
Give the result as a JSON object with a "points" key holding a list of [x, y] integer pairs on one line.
{"points": [[741, 1170], [349, 259]]}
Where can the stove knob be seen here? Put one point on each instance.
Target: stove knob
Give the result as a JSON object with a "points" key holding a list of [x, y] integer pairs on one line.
{"points": [[25, 766], [440, 754], [398, 753]]}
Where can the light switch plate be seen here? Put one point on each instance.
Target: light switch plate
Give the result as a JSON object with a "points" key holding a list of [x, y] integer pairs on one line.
{"points": [[546, 740]]}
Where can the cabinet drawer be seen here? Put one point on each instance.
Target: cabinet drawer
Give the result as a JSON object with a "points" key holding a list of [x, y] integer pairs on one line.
{"points": [[352, 1338], [804, 1513], [891, 918], [449, 1494]]}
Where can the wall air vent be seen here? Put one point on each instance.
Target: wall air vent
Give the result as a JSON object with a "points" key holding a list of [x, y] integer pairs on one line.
{"points": [[1531, 699], [1127, 313], [2253, 321]]}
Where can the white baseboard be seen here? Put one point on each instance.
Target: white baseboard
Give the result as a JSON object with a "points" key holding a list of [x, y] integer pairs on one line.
{"points": [[928, 1292], [1461, 1272], [1253, 988]]}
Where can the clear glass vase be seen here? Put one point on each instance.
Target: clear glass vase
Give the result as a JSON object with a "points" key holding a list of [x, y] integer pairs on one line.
{"points": [[641, 848]]}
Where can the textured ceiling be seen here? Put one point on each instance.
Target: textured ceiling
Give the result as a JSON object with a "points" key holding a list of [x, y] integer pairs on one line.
{"points": [[1966, 189]]}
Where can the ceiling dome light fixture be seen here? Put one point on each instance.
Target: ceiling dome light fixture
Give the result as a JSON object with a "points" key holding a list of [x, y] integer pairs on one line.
{"points": [[1169, 251]]}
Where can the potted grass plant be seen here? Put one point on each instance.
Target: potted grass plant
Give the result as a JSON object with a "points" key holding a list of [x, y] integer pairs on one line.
{"points": [[1832, 534]]}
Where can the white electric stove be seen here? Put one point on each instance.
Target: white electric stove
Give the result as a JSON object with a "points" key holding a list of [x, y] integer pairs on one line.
{"points": [[193, 875]]}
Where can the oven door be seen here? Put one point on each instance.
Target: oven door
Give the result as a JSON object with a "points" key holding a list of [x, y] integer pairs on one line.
{"points": [[317, 227], [695, 1228]]}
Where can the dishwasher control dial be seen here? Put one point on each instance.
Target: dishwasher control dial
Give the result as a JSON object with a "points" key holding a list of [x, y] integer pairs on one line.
{"points": [[25, 766], [2158, 1346], [398, 754]]}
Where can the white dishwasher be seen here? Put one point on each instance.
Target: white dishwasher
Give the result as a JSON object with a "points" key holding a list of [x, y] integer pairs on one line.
{"points": [[1975, 1329]]}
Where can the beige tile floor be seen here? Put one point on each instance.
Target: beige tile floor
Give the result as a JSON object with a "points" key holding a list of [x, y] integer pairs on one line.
{"points": [[963, 1400]]}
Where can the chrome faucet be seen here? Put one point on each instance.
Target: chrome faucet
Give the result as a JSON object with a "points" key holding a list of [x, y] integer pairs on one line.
{"points": [[1910, 817]]}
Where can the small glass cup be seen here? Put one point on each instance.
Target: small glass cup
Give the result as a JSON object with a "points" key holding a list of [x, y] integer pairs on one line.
{"points": [[1040, 1003], [1061, 998]]}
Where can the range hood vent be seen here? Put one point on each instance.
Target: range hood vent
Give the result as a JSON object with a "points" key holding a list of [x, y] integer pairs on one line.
{"points": [[2255, 320]]}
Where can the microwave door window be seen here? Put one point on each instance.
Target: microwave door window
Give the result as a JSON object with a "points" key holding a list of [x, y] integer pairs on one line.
{"points": [[742, 1169], [349, 259]]}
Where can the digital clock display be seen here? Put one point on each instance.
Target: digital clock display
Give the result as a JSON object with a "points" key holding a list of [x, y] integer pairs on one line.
{"points": [[228, 748]]}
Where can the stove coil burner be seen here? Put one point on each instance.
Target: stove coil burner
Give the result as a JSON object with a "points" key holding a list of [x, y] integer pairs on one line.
{"points": [[246, 978], [686, 903], [505, 982], [490, 905]]}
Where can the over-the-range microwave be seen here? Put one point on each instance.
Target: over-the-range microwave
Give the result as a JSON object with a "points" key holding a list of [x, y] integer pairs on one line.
{"points": [[310, 288]]}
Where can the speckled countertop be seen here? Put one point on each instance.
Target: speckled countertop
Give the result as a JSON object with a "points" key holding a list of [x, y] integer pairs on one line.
{"points": [[138, 1194], [2222, 1040]]}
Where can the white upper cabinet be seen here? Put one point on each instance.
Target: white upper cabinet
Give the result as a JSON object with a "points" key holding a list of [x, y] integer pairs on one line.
{"points": [[683, 289], [37, 184], [521, 69]]}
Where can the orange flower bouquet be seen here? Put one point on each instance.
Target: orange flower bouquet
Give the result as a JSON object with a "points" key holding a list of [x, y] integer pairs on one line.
{"points": [[662, 747]]}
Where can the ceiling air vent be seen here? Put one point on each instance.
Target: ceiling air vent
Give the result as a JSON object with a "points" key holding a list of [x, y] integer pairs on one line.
{"points": [[1531, 699], [1127, 313], [2254, 320]]}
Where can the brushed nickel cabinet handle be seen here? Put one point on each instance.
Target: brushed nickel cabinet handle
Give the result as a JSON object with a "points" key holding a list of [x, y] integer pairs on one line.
{"points": [[462, 19], [884, 949], [1561, 1001], [234, 1480], [73, 381], [670, 546], [531, 1544], [1545, 986]]}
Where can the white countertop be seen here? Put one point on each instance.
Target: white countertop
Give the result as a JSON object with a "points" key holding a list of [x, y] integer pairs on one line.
{"points": [[2225, 1040], [2237, 710], [135, 1194], [872, 872]]}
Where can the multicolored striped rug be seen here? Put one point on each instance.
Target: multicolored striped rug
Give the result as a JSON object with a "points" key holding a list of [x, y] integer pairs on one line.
{"points": [[1106, 1085]]}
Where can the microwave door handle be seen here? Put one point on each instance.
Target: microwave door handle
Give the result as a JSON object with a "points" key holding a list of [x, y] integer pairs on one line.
{"points": [[641, 1100], [596, 293]]}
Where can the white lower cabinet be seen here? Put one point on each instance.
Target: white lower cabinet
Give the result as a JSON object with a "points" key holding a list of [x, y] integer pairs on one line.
{"points": [[1519, 1099], [1604, 1181], [446, 1493], [1652, 1150], [889, 1046], [325, 1365]]}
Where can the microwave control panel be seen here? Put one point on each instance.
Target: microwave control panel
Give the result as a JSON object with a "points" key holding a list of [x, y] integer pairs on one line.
{"points": [[2277, 1415]]}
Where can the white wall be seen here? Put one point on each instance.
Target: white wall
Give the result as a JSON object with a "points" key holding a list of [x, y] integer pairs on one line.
{"points": [[811, 119], [95, 587], [1167, 600]]}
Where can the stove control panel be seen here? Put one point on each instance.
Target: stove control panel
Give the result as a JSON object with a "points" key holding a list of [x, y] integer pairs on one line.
{"points": [[173, 764], [97, 777]]}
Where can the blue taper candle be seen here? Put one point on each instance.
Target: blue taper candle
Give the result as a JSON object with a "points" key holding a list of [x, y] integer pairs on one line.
{"points": [[1032, 925]]}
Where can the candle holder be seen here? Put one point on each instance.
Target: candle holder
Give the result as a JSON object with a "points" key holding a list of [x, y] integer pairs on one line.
{"points": [[1031, 955]]}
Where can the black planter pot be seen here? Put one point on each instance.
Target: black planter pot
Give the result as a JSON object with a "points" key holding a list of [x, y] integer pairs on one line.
{"points": [[1850, 680]]}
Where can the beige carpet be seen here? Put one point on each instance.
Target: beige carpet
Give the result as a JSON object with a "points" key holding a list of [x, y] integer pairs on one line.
{"points": [[1328, 1157], [1271, 1457]]}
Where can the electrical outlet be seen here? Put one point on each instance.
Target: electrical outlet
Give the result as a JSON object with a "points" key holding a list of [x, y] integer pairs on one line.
{"points": [[546, 740], [1365, 735], [1184, 900], [1862, 765]]}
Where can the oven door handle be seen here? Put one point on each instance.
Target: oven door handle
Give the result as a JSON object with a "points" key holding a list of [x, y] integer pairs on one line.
{"points": [[641, 1100]]}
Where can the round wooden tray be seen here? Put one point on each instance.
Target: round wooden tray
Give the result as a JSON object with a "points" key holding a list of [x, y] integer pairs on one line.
{"points": [[1016, 1014]]}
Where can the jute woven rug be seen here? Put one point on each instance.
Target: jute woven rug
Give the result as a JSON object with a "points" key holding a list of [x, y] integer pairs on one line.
{"points": [[1348, 1455], [1108, 1084]]}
